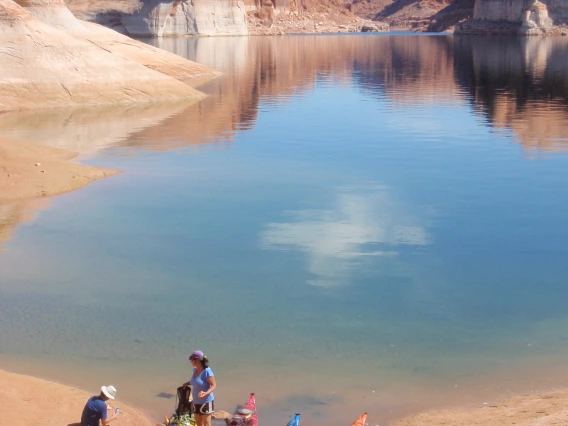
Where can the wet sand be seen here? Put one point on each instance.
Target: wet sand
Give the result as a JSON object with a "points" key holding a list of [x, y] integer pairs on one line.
{"points": [[30, 171]]}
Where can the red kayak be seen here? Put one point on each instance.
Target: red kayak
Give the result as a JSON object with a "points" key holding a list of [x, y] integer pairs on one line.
{"points": [[361, 420], [246, 415]]}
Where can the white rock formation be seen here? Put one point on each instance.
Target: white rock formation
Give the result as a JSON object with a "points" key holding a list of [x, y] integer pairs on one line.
{"points": [[200, 17], [166, 17], [56, 14], [526, 17], [43, 67], [535, 18]]}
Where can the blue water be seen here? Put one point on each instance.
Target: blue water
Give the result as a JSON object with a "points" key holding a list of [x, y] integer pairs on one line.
{"points": [[347, 224]]}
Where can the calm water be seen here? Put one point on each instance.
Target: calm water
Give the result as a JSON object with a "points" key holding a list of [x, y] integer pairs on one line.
{"points": [[347, 223]]}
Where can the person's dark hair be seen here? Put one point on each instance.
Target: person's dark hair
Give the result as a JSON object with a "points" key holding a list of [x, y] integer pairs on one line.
{"points": [[204, 362]]}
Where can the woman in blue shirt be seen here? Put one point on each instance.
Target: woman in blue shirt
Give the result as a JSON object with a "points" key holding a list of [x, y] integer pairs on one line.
{"points": [[202, 386]]}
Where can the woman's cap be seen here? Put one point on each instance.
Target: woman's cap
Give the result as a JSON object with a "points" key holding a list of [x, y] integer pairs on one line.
{"points": [[109, 391], [196, 355]]}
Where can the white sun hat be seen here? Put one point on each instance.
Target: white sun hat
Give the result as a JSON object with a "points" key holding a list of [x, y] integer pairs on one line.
{"points": [[109, 391]]}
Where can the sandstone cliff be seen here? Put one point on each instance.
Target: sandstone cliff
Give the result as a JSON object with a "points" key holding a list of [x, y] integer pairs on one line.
{"points": [[266, 17], [49, 59], [165, 17], [524, 17], [56, 14], [222, 17]]}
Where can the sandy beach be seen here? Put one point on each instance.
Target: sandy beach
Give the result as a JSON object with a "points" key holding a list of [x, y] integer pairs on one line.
{"points": [[31, 401], [540, 409]]}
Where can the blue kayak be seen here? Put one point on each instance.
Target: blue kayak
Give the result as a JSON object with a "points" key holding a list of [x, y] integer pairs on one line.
{"points": [[295, 421]]}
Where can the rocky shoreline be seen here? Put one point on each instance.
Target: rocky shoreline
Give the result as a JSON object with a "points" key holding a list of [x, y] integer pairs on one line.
{"points": [[312, 23], [478, 27]]}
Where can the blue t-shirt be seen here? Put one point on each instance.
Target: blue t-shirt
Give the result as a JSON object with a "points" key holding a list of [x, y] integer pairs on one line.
{"points": [[201, 384], [95, 409]]}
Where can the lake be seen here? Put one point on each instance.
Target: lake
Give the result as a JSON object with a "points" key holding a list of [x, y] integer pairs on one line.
{"points": [[347, 223]]}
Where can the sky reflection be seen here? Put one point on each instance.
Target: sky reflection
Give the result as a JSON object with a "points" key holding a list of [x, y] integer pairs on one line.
{"points": [[365, 221]]}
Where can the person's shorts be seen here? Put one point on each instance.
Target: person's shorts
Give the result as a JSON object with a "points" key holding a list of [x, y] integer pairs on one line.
{"points": [[204, 409]]}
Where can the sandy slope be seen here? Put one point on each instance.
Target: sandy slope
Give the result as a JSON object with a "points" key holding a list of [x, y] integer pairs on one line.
{"points": [[30, 401]]}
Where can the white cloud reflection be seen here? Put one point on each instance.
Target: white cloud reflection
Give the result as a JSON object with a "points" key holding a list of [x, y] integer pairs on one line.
{"points": [[364, 223]]}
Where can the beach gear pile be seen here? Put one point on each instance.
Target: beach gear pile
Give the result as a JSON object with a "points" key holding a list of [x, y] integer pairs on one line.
{"points": [[245, 416], [186, 419], [183, 415]]}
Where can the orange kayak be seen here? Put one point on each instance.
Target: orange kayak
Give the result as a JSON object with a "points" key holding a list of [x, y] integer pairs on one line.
{"points": [[361, 420]]}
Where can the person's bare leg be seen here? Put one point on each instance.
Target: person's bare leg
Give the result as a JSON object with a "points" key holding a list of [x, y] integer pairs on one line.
{"points": [[206, 420], [199, 419]]}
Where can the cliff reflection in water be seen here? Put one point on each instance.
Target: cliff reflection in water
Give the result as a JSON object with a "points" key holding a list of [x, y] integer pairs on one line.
{"points": [[520, 85]]}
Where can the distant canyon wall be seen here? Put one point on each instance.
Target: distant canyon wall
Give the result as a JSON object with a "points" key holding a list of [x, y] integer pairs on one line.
{"points": [[525, 17], [165, 17]]}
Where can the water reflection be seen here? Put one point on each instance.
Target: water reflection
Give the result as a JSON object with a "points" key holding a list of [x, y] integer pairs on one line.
{"points": [[9, 215], [86, 130], [519, 84], [515, 84], [363, 222], [13, 214]]}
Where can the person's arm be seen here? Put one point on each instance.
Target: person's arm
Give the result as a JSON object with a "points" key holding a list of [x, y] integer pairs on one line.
{"points": [[105, 422], [212, 386], [104, 419]]}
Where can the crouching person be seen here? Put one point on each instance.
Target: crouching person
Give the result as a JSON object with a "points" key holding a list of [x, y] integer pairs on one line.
{"points": [[96, 408]]}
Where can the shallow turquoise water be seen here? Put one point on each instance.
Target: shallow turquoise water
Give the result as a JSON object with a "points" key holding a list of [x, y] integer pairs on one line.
{"points": [[347, 223]]}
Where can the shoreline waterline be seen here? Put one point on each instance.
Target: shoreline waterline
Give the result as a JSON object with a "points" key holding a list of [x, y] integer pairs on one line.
{"points": [[140, 387], [546, 405]]}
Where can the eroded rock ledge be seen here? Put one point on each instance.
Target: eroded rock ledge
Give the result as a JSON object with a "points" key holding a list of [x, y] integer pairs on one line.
{"points": [[49, 59]]}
